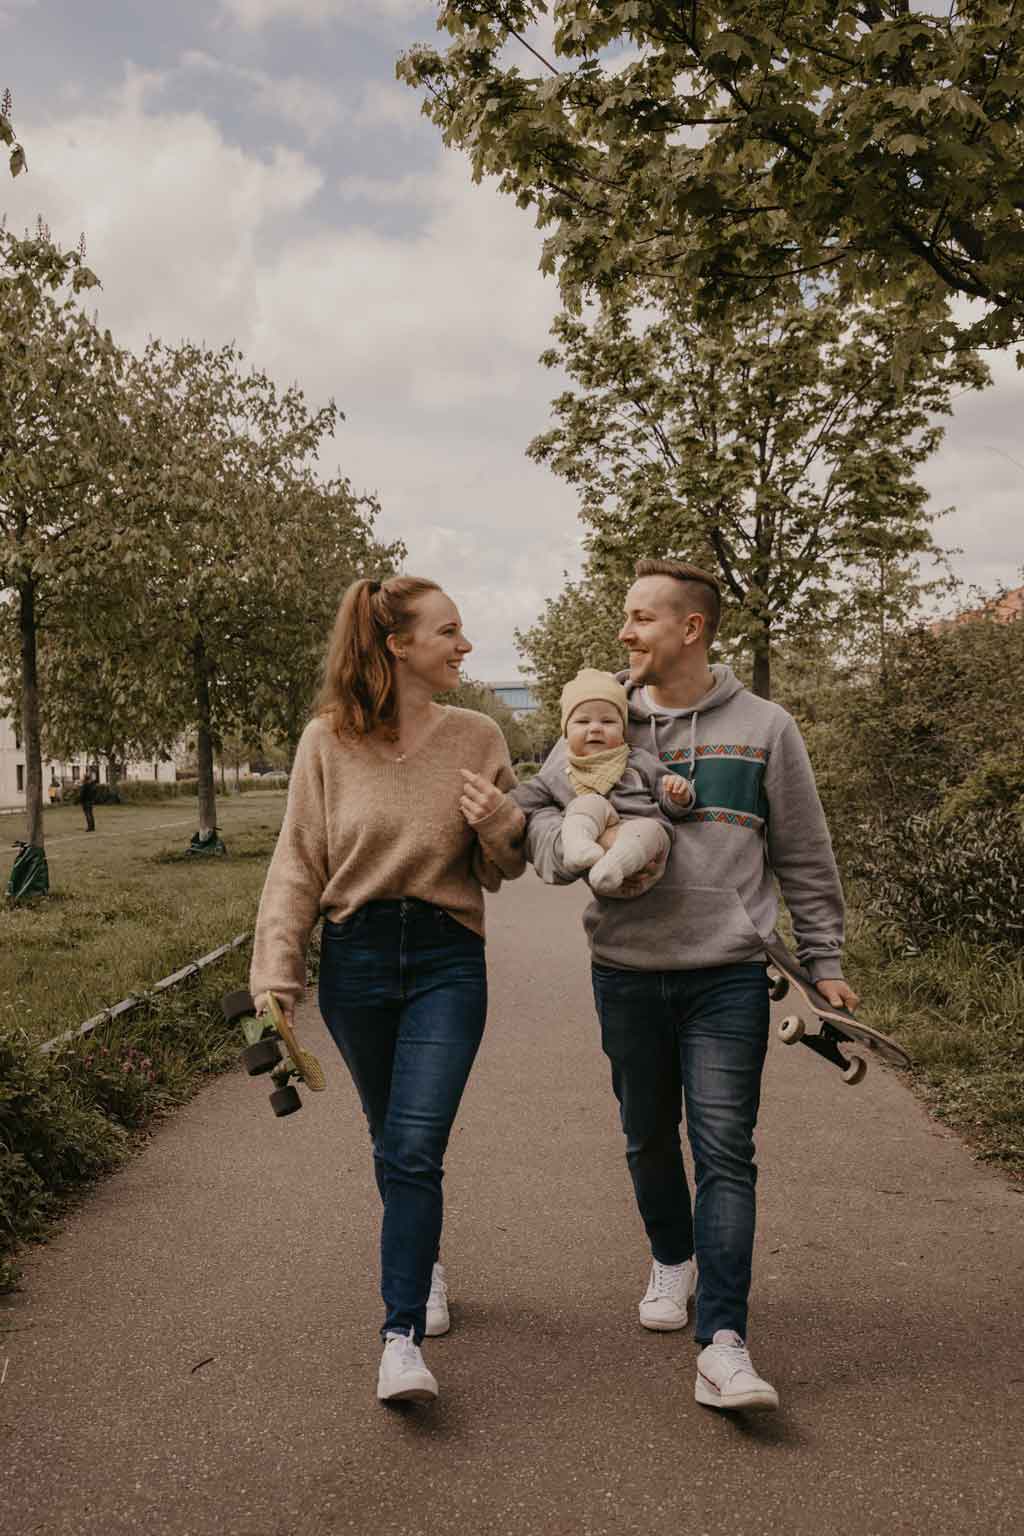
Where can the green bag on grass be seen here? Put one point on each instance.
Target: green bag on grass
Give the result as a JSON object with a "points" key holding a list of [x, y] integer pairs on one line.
{"points": [[30, 874], [211, 844]]}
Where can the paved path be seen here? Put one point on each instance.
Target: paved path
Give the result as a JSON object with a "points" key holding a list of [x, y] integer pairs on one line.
{"points": [[197, 1351]]}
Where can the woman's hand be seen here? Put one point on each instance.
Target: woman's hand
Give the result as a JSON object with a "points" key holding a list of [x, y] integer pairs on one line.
{"points": [[261, 1004], [480, 798]]}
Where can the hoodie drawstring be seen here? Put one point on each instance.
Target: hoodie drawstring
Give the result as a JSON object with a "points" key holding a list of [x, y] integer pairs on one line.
{"points": [[693, 743]]}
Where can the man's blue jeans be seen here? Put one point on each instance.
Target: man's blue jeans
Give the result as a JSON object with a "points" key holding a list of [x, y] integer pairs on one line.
{"points": [[702, 1036], [403, 991]]}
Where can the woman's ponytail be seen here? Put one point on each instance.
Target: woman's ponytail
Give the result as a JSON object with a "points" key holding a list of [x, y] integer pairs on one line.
{"points": [[358, 691]]}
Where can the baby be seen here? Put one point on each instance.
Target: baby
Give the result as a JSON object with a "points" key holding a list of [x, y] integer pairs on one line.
{"points": [[601, 782]]}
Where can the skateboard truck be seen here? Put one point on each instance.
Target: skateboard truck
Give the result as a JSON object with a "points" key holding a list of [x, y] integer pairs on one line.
{"points": [[264, 1037], [836, 1025]]}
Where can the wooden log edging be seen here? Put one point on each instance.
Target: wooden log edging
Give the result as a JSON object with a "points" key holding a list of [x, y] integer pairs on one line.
{"points": [[127, 1004]]}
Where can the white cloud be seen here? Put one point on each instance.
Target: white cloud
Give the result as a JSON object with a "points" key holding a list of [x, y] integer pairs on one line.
{"points": [[295, 99], [428, 340], [409, 191], [253, 14], [389, 104], [12, 11], [173, 215]]}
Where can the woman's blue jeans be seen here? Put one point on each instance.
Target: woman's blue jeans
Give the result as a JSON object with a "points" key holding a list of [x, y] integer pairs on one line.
{"points": [[699, 1035], [403, 991]]}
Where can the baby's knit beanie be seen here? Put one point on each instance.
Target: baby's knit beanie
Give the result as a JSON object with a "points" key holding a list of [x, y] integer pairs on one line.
{"points": [[591, 684]]}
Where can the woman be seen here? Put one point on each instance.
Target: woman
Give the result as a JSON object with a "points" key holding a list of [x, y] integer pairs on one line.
{"points": [[396, 818]]}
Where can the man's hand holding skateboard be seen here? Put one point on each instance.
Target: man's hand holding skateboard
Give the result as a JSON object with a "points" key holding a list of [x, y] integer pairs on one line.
{"points": [[835, 991], [839, 994]]}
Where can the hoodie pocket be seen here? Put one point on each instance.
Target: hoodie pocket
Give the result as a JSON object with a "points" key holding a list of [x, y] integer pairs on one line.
{"points": [[713, 919], [681, 928]]}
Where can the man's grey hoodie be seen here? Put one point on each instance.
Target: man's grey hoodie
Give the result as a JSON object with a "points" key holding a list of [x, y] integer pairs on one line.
{"points": [[757, 818]]}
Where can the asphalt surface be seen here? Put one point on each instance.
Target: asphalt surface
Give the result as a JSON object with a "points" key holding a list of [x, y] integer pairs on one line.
{"points": [[196, 1352]]}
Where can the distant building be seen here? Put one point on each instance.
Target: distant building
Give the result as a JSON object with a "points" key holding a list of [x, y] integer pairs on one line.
{"points": [[519, 697], [65, 772], [1003, 609], [12, 767]]}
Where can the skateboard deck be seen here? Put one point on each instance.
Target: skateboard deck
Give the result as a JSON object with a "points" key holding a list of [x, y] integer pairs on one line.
{"points": [[262, 1053], [309, 1069], [836, 1026]]}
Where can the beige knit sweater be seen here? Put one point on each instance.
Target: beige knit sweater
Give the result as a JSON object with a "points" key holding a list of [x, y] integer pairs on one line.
{"points": [[361, 827]]}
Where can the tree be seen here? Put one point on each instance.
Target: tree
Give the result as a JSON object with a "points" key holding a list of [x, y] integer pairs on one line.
{"points": [[775, 449], [473, 695], [60, 399], [331, 533], [237, 556], [740, 146], [17, 160], [578, 628], [95, 671]]}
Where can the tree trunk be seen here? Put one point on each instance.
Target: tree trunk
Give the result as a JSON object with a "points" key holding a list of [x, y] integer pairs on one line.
{"points": [[763, 667], [206, 786], [30, 715]]}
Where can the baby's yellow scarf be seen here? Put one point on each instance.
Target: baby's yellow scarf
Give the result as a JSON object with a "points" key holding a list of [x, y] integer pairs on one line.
{"points": [[598, 773]]}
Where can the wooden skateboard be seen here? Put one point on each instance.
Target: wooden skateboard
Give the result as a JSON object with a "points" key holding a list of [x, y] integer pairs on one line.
{"points": [[262, 1053], [836, 1026]]}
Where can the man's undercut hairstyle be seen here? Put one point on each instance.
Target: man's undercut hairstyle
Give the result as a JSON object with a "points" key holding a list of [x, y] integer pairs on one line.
{"points": [[703, 592]]}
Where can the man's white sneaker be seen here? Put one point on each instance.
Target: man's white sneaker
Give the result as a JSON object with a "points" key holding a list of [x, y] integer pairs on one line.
{"points": [[438, 1317], [664, 1308], [403, 1377], [727, 1379]]}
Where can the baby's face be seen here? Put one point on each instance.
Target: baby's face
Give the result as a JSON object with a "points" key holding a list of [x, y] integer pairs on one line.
{"points": [[593, 727]]}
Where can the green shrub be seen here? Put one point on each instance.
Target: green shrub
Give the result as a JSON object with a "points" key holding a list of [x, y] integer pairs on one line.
{"points": [[267, 781], [997, 783], [106, 794], [925, 878], [526, 771], [958, 1009], [143, 791], [51, 1140]]}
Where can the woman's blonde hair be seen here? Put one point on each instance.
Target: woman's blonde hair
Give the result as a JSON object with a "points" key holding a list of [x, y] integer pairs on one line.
{"points": [[358, 691]]}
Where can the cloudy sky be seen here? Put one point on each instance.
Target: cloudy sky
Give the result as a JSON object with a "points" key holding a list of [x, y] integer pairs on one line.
{"points": [[250, 170]]}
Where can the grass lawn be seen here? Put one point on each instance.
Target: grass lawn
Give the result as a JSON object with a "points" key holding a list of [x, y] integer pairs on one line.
{"points": [[124, 908], [959, 1010]]}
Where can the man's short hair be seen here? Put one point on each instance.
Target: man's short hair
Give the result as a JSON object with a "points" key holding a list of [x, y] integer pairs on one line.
{"points": [[703, 591]]}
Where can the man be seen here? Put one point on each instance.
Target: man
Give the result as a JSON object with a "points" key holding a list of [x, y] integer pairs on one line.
{"points": [[679, 972], [87, 799]]}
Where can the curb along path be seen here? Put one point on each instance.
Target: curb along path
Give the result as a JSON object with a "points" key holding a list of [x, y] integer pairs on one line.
{"points": [[196, 1352]]}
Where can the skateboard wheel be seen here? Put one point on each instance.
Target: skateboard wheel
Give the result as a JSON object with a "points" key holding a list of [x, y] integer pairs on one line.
{"points": [[791, 1030], [237, 1005], [285, 1101], [855, 1071], [778, 986], [261, 1057]]}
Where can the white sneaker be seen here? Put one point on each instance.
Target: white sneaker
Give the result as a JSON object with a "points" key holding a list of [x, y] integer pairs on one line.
{"points": [[438, 1317], [727, 1379], [664, 1308], [403, 1377]]}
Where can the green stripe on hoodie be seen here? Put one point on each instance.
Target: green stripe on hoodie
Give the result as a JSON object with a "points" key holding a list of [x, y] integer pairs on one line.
{"points": [[758, 819]]}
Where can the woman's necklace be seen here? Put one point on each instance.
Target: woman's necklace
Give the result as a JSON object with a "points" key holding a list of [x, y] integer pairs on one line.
{"points": [[423, 730]]}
